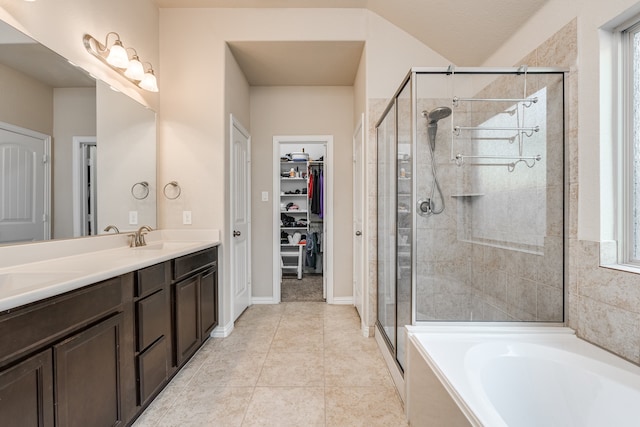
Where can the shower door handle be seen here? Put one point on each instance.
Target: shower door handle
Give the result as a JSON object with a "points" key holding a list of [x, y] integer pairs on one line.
{"points": [[358, 233]]}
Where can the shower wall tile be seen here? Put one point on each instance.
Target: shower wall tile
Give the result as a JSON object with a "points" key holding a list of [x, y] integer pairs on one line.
{"points": [[560, 50], [495, 289], [571, 285], [610, 327], [549, 303], [522, 298]]}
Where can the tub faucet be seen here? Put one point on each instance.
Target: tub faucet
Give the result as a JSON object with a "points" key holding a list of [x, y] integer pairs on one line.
{"points": [[139, 236], [108, 228]]}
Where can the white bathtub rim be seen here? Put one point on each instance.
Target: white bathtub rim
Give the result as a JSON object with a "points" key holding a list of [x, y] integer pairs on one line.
{"points": [[477, 406]]}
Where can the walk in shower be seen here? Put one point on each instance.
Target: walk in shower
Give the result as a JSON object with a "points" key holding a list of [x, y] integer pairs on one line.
{"points": [[470, 214]]}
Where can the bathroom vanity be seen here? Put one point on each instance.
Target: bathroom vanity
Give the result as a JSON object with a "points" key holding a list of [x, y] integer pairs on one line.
{"points": [[99, 353]]}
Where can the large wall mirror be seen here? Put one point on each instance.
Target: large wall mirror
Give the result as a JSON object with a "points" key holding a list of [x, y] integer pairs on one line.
{"points": [[75, 155]]}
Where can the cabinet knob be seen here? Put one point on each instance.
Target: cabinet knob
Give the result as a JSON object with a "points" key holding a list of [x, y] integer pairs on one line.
{"points": [[358, 233], [236, 233]]}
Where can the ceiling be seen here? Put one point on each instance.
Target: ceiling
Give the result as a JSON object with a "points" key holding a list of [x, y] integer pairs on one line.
{"points": [[466, 32]]}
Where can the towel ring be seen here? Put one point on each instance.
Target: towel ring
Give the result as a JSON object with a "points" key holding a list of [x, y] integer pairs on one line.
{"points": [[144, 190], [176, 186]]}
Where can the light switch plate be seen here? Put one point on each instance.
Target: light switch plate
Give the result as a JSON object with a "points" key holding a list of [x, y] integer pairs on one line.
{"points": [[186, 217], [133, 217], [265, 196]]}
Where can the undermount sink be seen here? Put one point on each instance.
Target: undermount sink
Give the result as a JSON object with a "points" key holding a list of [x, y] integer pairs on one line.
{"points": [[11, 281], [162, 245]]}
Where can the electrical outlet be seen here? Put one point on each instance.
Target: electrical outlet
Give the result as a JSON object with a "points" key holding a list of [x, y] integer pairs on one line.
{"points": [[265, 196], [133, 217], [186, 217]]}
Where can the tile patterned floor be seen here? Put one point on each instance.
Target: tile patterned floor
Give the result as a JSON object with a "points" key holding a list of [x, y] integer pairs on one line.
{"points": [[292, 364]]}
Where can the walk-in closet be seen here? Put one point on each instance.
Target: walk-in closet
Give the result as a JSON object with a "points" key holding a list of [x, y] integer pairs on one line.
{"points": [[302, 225]]}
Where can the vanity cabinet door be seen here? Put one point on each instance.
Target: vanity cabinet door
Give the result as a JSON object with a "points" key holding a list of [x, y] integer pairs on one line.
{"points": [[187, 330], [26, 393], [208, 303], [88, 380]]}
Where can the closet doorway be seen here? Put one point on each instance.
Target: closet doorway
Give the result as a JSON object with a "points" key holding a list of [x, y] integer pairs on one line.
{"points": [[303, 218]]}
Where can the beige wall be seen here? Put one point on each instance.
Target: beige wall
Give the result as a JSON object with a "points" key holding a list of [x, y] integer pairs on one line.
{"points": [[301, 111], [126, 135], [194, 121], [25, 102], [74, 115]]}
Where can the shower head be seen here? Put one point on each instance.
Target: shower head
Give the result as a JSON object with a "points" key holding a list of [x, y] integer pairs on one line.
{"points": [[433, 117], [436, 114]]}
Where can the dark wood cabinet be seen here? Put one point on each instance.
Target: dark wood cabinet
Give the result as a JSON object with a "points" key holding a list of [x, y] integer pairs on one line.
{"points": [[88, 388], [208, 302], [195, 298], [153, 330], [98, 355], [26, 392], [186, 319]]}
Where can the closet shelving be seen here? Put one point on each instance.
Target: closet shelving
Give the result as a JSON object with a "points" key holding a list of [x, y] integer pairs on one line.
{"points": [[293, 192]]}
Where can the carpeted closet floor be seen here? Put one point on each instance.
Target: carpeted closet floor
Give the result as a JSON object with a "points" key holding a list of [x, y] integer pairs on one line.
{"points": [[309, 288]]}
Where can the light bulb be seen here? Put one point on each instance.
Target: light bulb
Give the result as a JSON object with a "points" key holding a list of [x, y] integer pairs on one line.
{"points": [[118, 55], [149, 82], [135, 70]]}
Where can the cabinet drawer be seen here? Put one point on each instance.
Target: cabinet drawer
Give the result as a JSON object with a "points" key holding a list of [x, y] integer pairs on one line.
{"points": [[187, 264], [151, 319], [35, 325], [152, 369], [149, 279]]}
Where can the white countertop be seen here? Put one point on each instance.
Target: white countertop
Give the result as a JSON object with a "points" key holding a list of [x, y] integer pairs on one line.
{"points": [[35, 271]]}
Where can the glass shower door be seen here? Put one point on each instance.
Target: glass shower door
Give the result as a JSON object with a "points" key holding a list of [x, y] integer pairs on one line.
{"points": [[386, 205]]}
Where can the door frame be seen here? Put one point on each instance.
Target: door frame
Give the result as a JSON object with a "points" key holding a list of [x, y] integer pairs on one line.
{"points": [[235, 123], [328, 239], [46, 141], [78, 182], [359, 206]]}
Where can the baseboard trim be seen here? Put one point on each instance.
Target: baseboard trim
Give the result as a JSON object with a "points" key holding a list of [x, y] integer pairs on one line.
{"points": [[342, 301], [222, 331], [264, 300]]}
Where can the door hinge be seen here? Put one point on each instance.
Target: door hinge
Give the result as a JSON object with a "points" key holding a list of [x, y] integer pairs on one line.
{"points": [[45, 218], [45, 158]]}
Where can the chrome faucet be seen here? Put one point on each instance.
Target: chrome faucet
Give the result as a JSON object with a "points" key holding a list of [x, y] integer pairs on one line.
{"points": [[139, 236], [108, 228]]}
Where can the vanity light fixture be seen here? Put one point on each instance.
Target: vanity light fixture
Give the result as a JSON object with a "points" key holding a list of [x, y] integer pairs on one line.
{"points": [[117, 58]]}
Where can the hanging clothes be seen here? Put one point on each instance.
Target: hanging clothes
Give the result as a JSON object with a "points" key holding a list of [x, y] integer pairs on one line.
{"points": [[312, 251], [321, 187], [317, 194], [310, 189]]}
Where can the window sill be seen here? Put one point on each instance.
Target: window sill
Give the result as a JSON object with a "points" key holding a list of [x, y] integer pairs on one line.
{"points": [[609, 255], [622, 267]]}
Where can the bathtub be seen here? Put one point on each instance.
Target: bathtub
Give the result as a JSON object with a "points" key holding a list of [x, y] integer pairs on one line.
{"points": [[516, 376]]}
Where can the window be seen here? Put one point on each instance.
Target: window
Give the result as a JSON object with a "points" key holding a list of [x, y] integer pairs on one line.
{"points": [[629, 158]]}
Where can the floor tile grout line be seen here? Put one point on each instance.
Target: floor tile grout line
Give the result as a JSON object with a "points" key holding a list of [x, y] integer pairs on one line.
{"points": [[253, 390]]}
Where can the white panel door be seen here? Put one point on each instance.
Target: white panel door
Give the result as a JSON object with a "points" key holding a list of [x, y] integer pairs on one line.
{"points": [[240, 218], [23, 185], [358, 207]]}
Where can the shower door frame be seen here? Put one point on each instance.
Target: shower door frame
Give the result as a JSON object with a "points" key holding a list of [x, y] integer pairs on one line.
{"points": [[410, 78]]}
